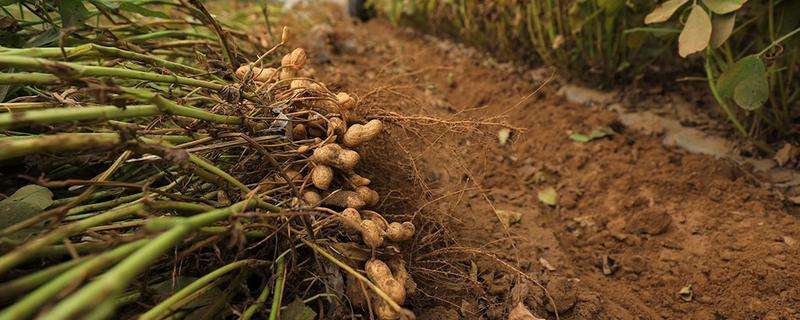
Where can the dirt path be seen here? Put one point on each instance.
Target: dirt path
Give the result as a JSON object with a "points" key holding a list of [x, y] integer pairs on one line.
{"points": [[635, 223]]}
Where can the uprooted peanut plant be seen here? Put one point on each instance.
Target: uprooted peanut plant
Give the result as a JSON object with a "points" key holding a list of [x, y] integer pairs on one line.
{"points": [[178, 167]]}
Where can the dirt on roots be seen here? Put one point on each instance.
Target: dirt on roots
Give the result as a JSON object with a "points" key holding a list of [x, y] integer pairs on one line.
{"points": [[641, 231]]}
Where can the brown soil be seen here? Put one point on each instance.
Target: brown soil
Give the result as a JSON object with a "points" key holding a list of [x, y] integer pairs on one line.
{"points": [[636, 222]]}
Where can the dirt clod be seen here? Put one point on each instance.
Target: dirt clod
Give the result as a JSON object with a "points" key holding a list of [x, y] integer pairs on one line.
{"points": [[564, 293]]}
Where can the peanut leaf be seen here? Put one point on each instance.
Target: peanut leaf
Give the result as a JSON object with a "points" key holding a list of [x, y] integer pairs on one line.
{"points": [[24, 203], [722, 29], [745, 82], [724, 6], [696, 33], [297, 310], [664, 11]]}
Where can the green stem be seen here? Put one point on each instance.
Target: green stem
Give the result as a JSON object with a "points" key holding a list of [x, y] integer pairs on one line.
{"points": [[13, 147], [17, 287], [38, 298], [31, 248], [114, 281], [277, 293], [58, 69], [779, 40], [164, 308]]}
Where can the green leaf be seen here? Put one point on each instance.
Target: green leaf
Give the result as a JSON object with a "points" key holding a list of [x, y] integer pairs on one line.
{"points": [[664, 11], [8, 2], [132, 7], [724, 6], [753, 91], [722, 27], [26, 202], [745, 82], [297, 310], [736, 73], [72, 12], [548, 196], [696, 33]]}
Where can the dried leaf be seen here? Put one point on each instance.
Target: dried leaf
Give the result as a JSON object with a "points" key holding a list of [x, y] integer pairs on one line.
{"points": [[521, 312], [664, 11], [785, 154], [548, 196], [297, 310], [724, 6], [722, 27], [696, 33], [508, 217]]}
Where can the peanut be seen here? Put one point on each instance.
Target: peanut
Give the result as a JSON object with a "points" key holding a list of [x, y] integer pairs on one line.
{"points": [[380, 274], [295, 59], [259, 74], [369, 196], [335, 156], [299, 131], [322, 176], [371, 233], [312, 197], [358, 134], [400, 231], [344, 199], [351, 219]]}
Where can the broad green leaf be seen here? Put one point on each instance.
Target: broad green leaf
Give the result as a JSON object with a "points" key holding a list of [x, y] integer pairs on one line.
{"points": [[753, 91], [696, 33], [132, 7], [664, 11], [297, 310], [8, 2], [722, 29], [724, 6], [548, 196], [736, 73], [26, 202]]}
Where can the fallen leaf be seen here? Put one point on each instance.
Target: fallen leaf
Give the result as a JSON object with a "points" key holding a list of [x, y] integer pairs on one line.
{"points": [[473, 271], [686, 293], [784, 155], [548, 196], [521, 312], [597, 133], [297, 310], [696, 33], [503, 135], [508, 217]]}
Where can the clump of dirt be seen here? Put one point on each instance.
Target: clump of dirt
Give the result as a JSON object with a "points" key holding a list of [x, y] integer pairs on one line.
{"points": [[634, 224]]}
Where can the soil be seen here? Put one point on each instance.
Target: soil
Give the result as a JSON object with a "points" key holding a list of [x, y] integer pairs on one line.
{"points": [[640, 230]]}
